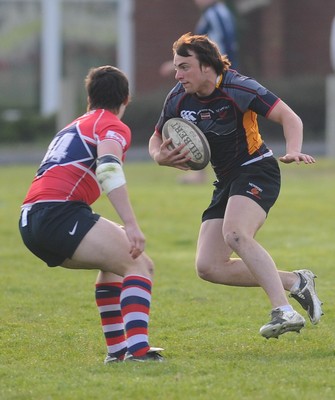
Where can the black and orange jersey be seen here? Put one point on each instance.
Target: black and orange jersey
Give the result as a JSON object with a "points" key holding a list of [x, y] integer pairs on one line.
{"points": [[228, 118]]}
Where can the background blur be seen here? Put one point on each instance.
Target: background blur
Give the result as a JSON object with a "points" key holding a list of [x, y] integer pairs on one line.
{"points": [[47, 46]]}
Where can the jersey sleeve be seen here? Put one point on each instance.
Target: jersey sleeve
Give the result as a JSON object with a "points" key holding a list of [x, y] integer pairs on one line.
{"points": [[248, 94], [115, 130], [263, 102]]}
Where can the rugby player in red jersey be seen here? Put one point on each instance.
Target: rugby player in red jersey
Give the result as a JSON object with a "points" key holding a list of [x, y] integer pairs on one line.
{"points": [[58, 225]]}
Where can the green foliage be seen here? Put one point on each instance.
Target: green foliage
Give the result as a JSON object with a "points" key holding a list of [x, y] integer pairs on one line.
{"points": [[27, 128], [51, 343]]}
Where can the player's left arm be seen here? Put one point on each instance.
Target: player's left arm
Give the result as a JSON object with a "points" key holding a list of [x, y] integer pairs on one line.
{"points": [[293, 132], [112, 179]]}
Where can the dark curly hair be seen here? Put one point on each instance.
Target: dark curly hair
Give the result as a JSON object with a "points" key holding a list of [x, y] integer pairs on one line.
{"points": [[206, 51], [107, 87]]}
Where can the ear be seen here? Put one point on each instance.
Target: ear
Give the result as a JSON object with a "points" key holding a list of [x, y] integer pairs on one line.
{"points": [[204, 68], [126, 102]]}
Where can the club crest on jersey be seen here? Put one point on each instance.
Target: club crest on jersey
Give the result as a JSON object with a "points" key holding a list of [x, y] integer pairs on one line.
{"points": [[205, 115], [254, 190]]}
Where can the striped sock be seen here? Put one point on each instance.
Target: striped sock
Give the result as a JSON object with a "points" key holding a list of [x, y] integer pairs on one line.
{"points": [[107, 296], [135, 307]]}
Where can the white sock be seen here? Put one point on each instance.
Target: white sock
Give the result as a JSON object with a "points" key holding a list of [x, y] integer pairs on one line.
{"points": [[287, 307]]}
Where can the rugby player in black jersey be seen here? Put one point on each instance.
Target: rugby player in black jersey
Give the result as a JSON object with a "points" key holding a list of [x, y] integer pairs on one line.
{"points": [[225, 105]]}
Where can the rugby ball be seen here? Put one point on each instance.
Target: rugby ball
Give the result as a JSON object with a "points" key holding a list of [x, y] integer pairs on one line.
{"points": [[185, 132]]}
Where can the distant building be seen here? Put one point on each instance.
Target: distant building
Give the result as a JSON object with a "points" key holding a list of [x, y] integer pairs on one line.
{"points": [[277, 38]]}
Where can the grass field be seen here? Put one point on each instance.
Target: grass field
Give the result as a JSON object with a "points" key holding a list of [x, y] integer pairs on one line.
{"points": [[51, 340]]}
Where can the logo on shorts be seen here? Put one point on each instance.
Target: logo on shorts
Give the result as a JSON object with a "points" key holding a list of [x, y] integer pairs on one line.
{"points": [[73, 231], [255, 190]]}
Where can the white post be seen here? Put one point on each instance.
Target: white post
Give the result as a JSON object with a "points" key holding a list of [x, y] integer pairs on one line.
{"points": [[50, 56], [330, 99], [125, 40], [330, 116], [332, 44]]}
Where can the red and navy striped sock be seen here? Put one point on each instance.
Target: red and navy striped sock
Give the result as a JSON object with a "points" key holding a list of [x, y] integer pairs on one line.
{"points": [[135, 308], [107, 296]]}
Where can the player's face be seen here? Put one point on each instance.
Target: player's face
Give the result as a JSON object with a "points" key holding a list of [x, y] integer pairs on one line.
{"points": [[191, 75]]}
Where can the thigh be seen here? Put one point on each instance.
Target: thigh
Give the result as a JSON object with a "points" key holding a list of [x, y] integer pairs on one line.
{"points": [[243, 215], [211, 248], [217, 206], [251, 196], [53, 230], [106, 247], [259, 182]]}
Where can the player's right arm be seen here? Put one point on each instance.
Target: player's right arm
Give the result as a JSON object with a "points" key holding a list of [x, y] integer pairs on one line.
{"points": [[110, 174], [293, 133], [160, 153]]}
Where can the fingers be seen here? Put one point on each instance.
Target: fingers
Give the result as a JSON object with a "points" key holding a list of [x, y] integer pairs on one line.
{"points": [[137, 247], [177, 157], [135, 252], [307, 159], [297, 158], [136, 240]]}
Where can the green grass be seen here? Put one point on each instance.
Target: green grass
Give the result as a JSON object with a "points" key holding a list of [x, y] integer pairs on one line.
{"points": [[51, 344]]}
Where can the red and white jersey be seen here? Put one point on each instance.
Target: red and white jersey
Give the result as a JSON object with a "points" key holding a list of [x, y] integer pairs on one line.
{"points": [[67, 171]]}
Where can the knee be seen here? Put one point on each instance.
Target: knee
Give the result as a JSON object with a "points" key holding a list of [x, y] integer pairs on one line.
{"points": [[142, 265], [202, 269], [234, 239], [148, 265], [151, 267]]}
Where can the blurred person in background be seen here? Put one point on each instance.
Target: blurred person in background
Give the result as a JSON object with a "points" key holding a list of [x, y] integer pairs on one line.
{"points": [[218, 23]]}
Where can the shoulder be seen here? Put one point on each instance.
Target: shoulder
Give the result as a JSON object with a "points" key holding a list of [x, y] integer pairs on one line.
{"points": [[245, 90], [108, 119], [174, 96], [109, 126], [233, 77], [176, 91], [233, 80]]}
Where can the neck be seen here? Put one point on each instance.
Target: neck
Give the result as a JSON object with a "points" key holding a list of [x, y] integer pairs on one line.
{"points": [[209, 85]]}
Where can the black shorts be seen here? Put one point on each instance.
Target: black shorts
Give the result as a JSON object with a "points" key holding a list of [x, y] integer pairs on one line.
{"points": [[260, 181], [53, 230]]}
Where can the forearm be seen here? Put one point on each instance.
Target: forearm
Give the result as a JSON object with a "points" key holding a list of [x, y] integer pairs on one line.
{"points": [[293, 133], [154, 146], [120, 201], [291, 124]]}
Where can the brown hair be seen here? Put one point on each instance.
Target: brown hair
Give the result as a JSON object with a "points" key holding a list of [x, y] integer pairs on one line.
{"points": [[206, 51], [107, 87]]}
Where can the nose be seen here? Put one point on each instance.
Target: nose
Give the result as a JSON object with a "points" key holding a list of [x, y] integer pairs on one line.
{"points": [[178, 75]]}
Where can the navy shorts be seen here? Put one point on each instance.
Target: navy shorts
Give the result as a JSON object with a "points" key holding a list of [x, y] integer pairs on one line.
{"points": [[53, 230], [260, 181]]}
